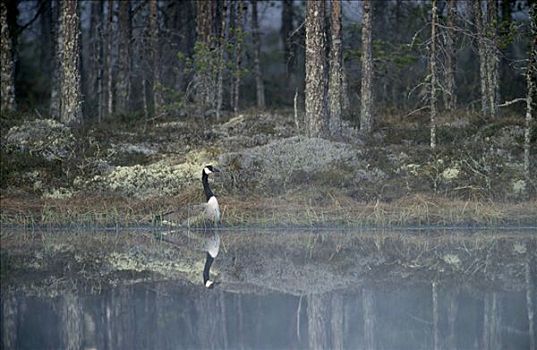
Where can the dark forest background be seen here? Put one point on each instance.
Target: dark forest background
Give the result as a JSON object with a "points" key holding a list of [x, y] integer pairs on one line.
{"points": [[140, 57]]}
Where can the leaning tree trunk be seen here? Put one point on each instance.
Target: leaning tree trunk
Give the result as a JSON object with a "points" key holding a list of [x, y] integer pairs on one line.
{"points": [[449, 91], [531, 80], [70, 95], [6, 60], [259, 85], [335, 82], [316, 106], [432, 73], [366, 117]]}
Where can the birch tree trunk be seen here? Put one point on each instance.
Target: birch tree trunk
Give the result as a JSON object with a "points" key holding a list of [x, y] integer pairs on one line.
{"points": [[315, 92], [450, 100], [432, 73], [259, 85], [531, 80], [123, 86], [335, 83], [7, 69], [71, 99], [366, 117]]}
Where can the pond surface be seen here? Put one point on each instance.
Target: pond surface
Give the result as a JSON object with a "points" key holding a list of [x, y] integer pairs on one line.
{"points": [[398, 312]]}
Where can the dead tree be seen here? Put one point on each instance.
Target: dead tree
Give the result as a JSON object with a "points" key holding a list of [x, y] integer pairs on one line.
{"points": [[316, 89], [366, 94]]}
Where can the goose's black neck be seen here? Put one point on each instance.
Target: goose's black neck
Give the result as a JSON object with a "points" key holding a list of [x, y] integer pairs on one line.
{"points": [[206, 188]]}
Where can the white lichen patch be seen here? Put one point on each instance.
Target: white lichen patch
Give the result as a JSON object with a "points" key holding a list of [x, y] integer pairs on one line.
{"points": [[452, 260], [125, 262], [450, 173], [519, 187], [157, 179], [280, 159], [519, 248], [44, 137], [412, 169]]}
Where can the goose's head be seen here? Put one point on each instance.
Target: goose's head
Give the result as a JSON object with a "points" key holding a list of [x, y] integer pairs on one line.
{"points": [[209, 169]]}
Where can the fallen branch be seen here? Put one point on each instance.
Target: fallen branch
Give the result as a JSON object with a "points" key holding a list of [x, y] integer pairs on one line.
{"points": [[508, 103]]}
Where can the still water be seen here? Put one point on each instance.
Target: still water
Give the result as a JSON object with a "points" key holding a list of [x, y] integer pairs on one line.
{"points": [[398, 313]]}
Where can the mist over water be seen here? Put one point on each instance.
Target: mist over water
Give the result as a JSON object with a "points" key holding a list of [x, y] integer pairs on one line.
{"points": [[170, 316], [264, 308]]}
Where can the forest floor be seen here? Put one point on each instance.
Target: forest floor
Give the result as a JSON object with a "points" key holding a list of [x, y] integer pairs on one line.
{"points": [[125, 173], [129, 171]]}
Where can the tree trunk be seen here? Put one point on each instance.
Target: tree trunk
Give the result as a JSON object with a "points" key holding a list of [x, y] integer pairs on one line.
{"points": [[109, 60], [531, 80], [71, 321], [335, 82], [491, 322], [239, 39], [259, 85], [366, 117], [368, 312], [318, 321], [221, 63], [71, 101], [530, 302], [286, 30], [492, 58], [481, 47], [436, 329], [432, 65], [56, 34], [337, 322], [452, 319], [7, 68], [316, 94], [123, 86], [155, 56], [204, 25], [450, 100]]}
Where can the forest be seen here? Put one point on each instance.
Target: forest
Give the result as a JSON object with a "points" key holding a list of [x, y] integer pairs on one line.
{"points": [[317, 103], [374, 163]]}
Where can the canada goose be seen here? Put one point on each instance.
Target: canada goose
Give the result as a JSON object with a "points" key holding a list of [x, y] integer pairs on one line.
{"points": [[212, 210], [212, 213]]}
